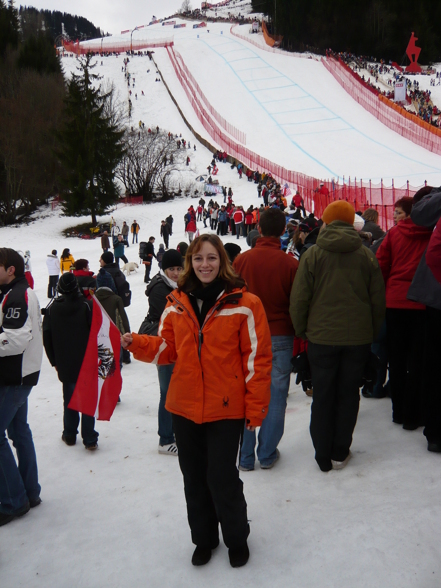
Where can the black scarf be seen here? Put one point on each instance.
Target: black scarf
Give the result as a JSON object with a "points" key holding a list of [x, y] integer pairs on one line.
{"points": [[208, 295]]}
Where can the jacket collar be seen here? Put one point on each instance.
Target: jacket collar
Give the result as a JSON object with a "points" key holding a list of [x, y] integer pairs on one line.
{"points": [[273, 242]]}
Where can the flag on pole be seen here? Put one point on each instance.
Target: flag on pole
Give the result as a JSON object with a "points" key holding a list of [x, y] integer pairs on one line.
{"points": [[287, 191], [99, 382]]}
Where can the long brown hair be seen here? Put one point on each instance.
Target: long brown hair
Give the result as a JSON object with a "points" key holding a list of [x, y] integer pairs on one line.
{"points": [[188, 281]]}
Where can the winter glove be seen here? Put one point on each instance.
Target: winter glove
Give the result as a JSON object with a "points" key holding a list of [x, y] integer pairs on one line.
{"points": [[371, 373], [300, 366]]}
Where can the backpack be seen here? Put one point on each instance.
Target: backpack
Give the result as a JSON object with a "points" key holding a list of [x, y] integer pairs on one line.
{"points": [[142, 251], [123, 288]]}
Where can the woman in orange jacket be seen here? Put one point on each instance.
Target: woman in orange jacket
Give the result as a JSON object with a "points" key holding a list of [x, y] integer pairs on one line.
{"points": [[217, 334]]}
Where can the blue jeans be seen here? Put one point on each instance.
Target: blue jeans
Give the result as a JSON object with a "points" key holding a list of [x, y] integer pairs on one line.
{"points": [[165, 426], [273, 425], [17, 484]]}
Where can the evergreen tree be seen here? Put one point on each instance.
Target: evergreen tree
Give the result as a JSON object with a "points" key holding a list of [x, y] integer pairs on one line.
{"points": [[91, 146], [38, 53], [9, 35]]}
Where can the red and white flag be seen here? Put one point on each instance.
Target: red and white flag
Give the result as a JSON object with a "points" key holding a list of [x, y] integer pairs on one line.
{"points": [[99, 382]]}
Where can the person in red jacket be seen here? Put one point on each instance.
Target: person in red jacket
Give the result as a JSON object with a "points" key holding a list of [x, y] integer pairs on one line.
{"points": [[216, 333], [239, 218], [398, 257]]}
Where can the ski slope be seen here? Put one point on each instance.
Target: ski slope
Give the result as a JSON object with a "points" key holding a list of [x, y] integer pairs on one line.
{"points": [[293, 111], [116, 518]]}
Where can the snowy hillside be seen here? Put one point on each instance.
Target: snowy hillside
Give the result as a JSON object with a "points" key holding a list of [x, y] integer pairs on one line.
{"points": [[116, 518]]}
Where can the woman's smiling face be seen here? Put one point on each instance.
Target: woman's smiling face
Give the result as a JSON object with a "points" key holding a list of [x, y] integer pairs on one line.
{"points": [[206, 263]]}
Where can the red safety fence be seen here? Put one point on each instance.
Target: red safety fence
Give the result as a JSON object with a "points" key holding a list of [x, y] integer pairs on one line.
{"points": [[121, 46], [394, 117], [194, 87], [361, 194], [130, 200]]}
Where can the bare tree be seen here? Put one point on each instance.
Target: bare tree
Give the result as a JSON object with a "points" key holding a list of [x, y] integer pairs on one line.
{"points": [[149, 164], [186, 6]]}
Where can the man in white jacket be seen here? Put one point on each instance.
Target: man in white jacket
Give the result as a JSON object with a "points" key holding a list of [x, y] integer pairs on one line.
{"points": [[21, 351], [53, 267]]}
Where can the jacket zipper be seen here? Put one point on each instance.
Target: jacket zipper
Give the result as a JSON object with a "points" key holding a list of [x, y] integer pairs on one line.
{"points": [[209, 315]]}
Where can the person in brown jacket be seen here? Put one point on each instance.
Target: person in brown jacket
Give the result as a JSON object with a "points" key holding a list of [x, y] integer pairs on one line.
{"points": [[105, 243]]}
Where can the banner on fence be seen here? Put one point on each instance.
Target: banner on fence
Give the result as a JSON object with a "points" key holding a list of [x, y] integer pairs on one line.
{"points": [[180, 26], [400, 92], [168, 22]]}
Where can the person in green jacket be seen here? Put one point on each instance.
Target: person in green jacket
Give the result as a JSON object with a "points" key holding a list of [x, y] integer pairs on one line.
{"points": [[338, 304]]}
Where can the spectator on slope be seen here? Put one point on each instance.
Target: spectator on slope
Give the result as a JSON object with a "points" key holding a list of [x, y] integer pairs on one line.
{"points": [[69, 319], [125, 233], [134, 230], [370, 216], [399, 255], [239, 218], [339, 333], [105, 242], [118, 249], [150, 254], [160, 255], [297, 202], [426, 289], [53, 267], [269, 274], [157, 291], [66, 261], [165, 232], [207, 325], [21, 353]]}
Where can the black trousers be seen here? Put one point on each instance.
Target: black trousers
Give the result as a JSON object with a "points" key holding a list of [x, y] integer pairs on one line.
{"points": [[405, 348], [336, 372], [52, 286], [213, 489], [431, 379]]}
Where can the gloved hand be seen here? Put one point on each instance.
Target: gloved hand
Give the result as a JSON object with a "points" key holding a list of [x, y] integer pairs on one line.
{"points": [[300, 366], [370, 373]]}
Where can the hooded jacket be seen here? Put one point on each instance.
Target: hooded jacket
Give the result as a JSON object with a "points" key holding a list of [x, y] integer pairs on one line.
{"points": [[398, 256], [53, 265], [338, 293], [223, 369]]}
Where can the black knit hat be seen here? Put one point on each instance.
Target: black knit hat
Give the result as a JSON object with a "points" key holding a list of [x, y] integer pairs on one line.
{"points": [[67, 284], [232, 250], [107, 257], [172, 258]]}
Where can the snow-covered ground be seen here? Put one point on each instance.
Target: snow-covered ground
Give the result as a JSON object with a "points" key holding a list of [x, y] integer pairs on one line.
{"points": [[116, 518]]}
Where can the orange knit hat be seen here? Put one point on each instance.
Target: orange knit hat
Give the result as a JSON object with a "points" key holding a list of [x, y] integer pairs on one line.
{"points": [[339, 211]]}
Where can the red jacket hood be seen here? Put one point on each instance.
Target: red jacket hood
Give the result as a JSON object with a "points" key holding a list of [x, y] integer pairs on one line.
{"points": [[409, 230]]}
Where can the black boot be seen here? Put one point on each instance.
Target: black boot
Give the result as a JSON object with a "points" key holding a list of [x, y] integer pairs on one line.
{"points": [[239, 556]]}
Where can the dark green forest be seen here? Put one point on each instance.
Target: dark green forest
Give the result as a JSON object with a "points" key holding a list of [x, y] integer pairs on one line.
{"points": [[377, 28], [33, 20]]}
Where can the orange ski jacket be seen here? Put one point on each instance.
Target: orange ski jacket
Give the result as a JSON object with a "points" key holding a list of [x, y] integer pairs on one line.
{"points": [[222, 369]]}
